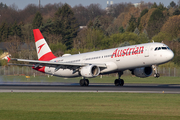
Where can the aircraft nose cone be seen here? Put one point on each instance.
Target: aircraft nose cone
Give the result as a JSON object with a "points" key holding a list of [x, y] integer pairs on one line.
{"points": [[170, 55]]}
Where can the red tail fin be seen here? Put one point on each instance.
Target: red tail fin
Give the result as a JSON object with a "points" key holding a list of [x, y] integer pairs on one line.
{"points": [[43, 51]]}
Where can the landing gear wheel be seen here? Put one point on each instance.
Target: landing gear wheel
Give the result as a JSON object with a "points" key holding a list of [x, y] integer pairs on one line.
{"points": [[82, 82], [86, 82], [117, 82], [156, 75], [121, 82]]}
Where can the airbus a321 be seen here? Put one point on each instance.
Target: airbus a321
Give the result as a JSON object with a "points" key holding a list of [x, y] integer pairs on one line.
{"points": [[140, 59]]}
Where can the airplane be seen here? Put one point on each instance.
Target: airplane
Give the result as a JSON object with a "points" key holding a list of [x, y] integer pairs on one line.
{"points": [[140, 59]]}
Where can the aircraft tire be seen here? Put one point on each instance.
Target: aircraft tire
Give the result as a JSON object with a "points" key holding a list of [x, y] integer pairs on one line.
{"points": [[86, 82], [117, 82], [156, 75], [121, 82], [82, 82]]}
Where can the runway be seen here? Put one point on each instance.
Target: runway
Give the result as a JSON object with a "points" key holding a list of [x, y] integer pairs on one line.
{"points": [[93, 87]]}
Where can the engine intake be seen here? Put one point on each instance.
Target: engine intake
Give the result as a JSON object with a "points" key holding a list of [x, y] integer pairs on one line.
{"points": [[143, 72], [90, 71]]}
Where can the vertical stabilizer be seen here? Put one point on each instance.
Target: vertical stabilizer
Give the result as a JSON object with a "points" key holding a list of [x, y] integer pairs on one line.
{"points": [[43, 51]]}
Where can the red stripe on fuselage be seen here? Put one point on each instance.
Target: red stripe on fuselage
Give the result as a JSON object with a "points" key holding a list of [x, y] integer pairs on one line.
{"points": [[37, 35], [47, 57]]}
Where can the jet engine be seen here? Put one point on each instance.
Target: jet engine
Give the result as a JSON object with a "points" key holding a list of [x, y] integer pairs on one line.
{"points": [[142, 72], [90, 71]]}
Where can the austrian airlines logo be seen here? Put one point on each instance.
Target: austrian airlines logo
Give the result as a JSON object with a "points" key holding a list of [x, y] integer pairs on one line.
{"points": [[128, 52], [40, 47]]}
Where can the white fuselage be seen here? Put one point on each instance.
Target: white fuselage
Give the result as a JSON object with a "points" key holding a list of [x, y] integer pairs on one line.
{"points": [[117, 59]]}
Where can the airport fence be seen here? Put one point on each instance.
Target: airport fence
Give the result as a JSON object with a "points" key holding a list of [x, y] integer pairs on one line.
{"points": [[19, 71], [28, 71]]}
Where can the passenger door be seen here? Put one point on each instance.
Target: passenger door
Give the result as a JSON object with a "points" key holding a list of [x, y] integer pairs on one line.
{"points": [[146, 51]]}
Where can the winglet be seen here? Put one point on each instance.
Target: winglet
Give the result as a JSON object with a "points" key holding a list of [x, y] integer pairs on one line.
{"points": [[8, 59]]}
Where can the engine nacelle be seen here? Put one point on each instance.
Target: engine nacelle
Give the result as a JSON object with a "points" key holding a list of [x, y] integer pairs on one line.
{"points": [[90, 71], [143, 72]]}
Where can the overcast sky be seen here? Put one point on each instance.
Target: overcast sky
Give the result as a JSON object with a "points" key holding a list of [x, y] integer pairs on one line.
{"points": [[23, 3]]}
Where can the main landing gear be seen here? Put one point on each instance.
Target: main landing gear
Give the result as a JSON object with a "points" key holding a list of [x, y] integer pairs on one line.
{"points": [[84, 82], [119, 81], [156, 74]]}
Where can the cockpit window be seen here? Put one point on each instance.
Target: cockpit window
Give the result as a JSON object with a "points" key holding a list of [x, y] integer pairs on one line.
{"points": [[164, 48], [161, 48]]}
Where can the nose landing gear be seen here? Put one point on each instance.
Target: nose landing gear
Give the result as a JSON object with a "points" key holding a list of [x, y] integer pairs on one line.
{"points": [[156, 74]]}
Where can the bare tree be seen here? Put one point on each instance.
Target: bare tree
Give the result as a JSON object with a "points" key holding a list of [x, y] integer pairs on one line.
{"points": [[28, 13], [95, 10], [81, 14]]}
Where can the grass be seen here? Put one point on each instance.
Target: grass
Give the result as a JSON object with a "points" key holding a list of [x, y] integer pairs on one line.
{"points": [[89, 106], [105, 79]]}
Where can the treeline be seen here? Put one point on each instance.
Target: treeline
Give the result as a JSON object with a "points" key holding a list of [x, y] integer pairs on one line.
{"points": [[119, 25]]}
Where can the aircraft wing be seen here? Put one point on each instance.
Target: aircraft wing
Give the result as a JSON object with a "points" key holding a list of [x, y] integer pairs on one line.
{"points": [[37, 63]]}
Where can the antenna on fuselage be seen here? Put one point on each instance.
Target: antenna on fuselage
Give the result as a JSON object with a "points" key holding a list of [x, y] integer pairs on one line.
{"points": [[153, 41]]}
